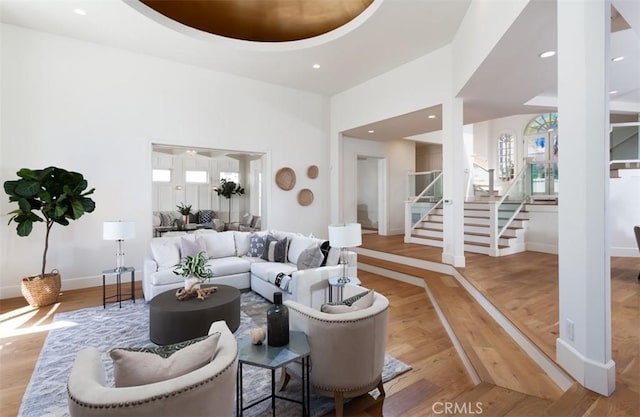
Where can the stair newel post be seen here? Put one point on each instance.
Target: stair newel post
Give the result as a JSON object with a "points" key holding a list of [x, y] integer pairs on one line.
{"points": [[491, 172], [493, 228], [407, 220]]}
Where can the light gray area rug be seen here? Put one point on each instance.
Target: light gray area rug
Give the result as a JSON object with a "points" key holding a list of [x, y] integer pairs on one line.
{"points": [[113, 327]]}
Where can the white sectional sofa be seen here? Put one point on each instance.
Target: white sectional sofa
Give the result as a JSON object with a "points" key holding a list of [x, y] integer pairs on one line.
{"points": [[231, 264]]}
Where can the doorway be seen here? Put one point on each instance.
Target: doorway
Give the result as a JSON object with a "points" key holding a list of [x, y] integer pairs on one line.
{"points": [[541, 145], [370, 194]]}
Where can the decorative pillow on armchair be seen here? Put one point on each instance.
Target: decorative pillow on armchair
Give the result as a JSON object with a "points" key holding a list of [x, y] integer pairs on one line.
{"points": [[357, 302], [142, 366]]}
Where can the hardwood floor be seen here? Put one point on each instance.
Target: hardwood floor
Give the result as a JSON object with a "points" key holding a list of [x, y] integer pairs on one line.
{"points": [[417, 337], [524, 288]]}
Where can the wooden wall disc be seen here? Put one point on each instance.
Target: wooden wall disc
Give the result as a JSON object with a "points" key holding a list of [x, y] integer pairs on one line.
{"points": [[312, 172], [305, 197], [286, 178]]}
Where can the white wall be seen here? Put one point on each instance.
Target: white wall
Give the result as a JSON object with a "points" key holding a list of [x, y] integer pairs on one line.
{"points": [[96, 110]]}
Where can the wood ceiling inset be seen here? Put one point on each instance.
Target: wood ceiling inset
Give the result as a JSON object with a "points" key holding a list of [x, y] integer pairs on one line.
{"points": [[262, 20]]}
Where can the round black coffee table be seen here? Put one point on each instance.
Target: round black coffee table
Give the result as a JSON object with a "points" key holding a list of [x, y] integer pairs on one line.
{"points": [[173, 321]]}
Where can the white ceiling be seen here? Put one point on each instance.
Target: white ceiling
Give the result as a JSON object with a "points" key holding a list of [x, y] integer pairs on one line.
{"points": [[388, 34]]}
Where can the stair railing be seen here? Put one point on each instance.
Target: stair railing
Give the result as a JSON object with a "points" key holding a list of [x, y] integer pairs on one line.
{"points": [[490, 175], [504, 211], [417, 208]]}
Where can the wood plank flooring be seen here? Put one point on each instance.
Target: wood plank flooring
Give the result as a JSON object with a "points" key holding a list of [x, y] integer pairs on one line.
{"points": [[524, 288]]}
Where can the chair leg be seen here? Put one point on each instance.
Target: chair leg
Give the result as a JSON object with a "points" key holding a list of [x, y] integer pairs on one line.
{"points": [[339, 398], [284, 379], [381, 389]]}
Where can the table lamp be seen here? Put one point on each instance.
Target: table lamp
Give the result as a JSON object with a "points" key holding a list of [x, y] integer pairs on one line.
{"points": [[119, 231], [344, 236]]}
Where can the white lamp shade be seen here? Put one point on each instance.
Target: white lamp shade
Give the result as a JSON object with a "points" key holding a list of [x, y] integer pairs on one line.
{"points": [[345, 235], [118, 230]]}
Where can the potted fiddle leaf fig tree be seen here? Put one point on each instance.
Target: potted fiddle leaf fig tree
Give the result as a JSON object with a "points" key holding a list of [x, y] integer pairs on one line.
{"points": [[53, 196], [227, 189]]}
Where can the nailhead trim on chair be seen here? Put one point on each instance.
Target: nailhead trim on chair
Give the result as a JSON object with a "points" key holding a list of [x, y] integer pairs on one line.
{"points": [[154, 398], [336, 321]]}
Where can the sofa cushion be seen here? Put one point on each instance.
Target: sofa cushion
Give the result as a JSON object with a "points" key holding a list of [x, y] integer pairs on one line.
{"points": [[310, 257], [268, 271], [243, 242], [229, 266], [166, 251], [297, 245], [220, 245], [133, 367]]}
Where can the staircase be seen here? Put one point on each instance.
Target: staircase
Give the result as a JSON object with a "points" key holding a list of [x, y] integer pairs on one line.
{"points": [[477, 233]]}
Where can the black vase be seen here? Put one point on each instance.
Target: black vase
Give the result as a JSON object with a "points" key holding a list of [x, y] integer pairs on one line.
{"points": [[278, 322]]}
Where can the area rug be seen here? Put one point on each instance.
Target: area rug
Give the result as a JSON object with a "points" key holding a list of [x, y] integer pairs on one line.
{"points": [[128, 326]]}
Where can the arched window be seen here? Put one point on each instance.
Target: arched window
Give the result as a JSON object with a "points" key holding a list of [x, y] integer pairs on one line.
{"points": [[546, 122], [506, 155]]}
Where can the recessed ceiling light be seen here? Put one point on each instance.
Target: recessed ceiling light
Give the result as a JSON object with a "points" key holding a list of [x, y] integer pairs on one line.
{"points": [[80, 12], [431, 116], [618, 58], [547, 54], [316, 66], [372, 131], [613, 92]]}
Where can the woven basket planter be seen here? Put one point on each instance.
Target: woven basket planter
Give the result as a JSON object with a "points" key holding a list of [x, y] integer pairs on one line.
{"points": [[41, 291]]}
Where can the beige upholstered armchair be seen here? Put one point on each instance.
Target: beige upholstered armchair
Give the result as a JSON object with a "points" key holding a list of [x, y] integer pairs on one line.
{"points": [[209, 390], [347, 349]]}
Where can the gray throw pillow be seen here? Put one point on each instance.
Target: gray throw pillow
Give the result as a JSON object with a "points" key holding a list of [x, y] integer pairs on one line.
{"points": [[256, 246], [275, 250], [310, 258]]}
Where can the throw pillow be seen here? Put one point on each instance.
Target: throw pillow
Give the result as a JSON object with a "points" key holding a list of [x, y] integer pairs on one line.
{"points": [[133, 368], [325, 247], [166, 252], [282, 281], [256, 245], [246, 220], [267, 242], [275, 250], [310, 257], [357, 302], [205, 216], [192, 247], [166, 219], [297, 246]]}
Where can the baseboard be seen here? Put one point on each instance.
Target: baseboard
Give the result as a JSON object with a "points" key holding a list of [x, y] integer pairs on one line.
{"points": [[455, 260], [541, 247], [624, 252], [596, 376], [14, 291]]}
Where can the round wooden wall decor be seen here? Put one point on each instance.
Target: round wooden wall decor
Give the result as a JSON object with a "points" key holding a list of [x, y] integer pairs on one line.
{"points": [[312, 172], [286, 178], [305, 197]]}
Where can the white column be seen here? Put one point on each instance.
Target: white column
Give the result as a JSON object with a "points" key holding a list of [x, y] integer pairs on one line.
{"points": [[453, 164], [584, 345]]}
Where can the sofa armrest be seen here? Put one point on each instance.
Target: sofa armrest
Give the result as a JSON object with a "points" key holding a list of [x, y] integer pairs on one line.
{"points": [[309, 286], [149, 266]]}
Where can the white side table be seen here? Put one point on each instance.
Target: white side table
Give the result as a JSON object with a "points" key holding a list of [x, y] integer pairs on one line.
{"points": [[339, 286]]}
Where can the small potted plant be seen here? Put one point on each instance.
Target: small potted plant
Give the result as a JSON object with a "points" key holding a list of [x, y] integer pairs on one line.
{"points": [[194, 270], [51, 195], [185, 211]]}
